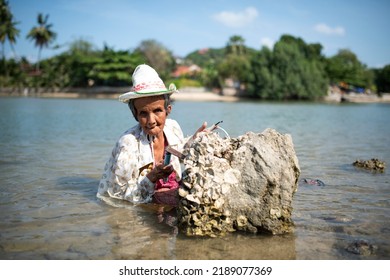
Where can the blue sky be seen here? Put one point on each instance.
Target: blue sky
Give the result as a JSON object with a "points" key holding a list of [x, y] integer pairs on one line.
{"points": [[361, 26]]}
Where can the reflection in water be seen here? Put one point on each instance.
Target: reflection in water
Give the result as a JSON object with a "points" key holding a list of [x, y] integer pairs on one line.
{"points": [[138, 235], [238, 246]]}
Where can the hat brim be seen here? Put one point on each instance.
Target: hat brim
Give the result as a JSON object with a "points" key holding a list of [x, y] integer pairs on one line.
{"points": [[133, 94]]}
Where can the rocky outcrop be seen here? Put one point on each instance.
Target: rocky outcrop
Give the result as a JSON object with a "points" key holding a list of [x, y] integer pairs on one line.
{"points": [[373, 164], [241, 184]]}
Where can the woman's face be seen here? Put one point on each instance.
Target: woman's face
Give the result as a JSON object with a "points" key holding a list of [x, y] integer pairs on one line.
{"points": [[151, 114]]}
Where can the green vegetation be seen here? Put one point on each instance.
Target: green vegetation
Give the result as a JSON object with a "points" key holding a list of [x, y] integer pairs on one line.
{"points": [[8, 30], [42, 35], [292, 70], [382, 79], [346, 67]]}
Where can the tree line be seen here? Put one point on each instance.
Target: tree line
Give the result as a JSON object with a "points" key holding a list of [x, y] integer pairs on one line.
{"points": [[292, 70]]}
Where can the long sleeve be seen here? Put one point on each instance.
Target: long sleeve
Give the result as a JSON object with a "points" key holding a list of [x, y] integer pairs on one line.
{"points": [[131, 159], [122, 178]]}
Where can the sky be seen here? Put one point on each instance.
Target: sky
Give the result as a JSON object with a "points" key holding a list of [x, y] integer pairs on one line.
{"points": [[362, 26]]}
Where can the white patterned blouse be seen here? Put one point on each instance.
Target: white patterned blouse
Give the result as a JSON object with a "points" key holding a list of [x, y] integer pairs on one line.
{"points": [[125, 172]]}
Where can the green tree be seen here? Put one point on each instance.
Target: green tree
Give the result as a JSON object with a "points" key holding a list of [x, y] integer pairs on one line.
{"points": [[70, 68], [8, 30], [81, 57], [236, 45], [157, 56], [83, 65], [345, 67], [382, 79], [12, 74], [42, 35], [236, 63], [235, 67], [114, 68], [205, 57], [210, 77], [261, 79], [293, 70], [299, 67]]}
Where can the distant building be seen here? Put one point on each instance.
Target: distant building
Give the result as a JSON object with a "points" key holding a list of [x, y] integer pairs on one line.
{"points": [[184, 70], [203, 51]]}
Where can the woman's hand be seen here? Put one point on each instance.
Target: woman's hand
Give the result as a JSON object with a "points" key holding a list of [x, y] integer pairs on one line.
{"points": [[191, 139], [160, 171], [200, 129]]}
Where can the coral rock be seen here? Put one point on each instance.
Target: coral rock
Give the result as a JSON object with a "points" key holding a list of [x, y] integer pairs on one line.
{"points": [[245, 183], [373, 164]]}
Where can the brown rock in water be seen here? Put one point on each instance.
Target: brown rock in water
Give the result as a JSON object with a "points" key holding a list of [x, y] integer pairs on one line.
{"points": [[373, 164], [246, 184]]}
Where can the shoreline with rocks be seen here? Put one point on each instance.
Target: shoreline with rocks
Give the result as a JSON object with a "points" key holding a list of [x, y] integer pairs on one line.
{"points": [[183, 95], [186, 94], [357, 98]]}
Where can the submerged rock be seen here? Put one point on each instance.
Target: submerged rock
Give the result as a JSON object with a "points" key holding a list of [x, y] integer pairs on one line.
{"points": [[373, 164], [246, 183], [361, 247], [313, 182]]}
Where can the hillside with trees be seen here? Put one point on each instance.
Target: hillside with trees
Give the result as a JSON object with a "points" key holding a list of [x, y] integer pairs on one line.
{"points": [[291, 70]]}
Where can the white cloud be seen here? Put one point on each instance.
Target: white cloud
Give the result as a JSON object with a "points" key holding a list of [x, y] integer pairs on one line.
{"points": [[325, 29], [267, 42], [238, 19]]}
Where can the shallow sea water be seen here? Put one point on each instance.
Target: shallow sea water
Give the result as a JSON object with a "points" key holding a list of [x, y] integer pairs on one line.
{"points": [[52, 153]]}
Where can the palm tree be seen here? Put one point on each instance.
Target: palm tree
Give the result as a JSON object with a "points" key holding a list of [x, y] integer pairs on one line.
{"points": [[236, 45], [8, 31], [42, 35]]}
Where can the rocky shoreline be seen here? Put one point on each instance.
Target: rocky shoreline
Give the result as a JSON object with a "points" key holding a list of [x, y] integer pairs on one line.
{"points": [[186, 94], [357, 98]]}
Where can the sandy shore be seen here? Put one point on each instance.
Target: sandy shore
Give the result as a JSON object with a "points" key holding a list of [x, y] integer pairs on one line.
{"points": [[203, 96], [181, 96], [197, 95]]}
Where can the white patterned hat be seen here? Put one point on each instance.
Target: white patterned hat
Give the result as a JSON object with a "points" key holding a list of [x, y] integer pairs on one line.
{"points": [[146, 82]]}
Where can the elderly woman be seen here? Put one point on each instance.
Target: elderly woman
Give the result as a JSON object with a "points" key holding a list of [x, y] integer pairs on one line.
{"points": [[136, 171]]}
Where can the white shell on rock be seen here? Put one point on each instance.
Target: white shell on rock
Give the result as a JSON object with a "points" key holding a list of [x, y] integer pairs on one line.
{"points": [[242, 221], [182, 192], [232, 176], [225, 188], [219, 203], [191, 197], [218, 179], [275, 212]]}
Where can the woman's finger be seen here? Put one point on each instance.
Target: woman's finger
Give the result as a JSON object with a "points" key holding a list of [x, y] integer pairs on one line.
{"points": [[200, 129]]}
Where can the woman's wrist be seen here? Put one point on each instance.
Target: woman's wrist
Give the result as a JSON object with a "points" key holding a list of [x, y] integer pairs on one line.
{"points": [[151, 177]]}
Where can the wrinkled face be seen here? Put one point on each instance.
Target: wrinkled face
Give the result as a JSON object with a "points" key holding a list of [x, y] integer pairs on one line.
{"points": [[151, 114]]}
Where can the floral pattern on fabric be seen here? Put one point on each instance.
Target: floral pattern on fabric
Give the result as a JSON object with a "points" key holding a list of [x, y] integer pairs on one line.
{"points": [[125, 172]]}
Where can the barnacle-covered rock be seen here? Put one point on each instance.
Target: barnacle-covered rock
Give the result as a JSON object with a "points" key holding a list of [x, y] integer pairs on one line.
{"points": [[245, 183], [373, 164]]}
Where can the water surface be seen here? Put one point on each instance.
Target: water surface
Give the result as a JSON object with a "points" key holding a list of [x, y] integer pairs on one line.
{"points": [[53, 152]]}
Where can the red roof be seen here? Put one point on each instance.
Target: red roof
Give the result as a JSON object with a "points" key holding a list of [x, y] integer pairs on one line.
{"points": [[182, 70]]}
